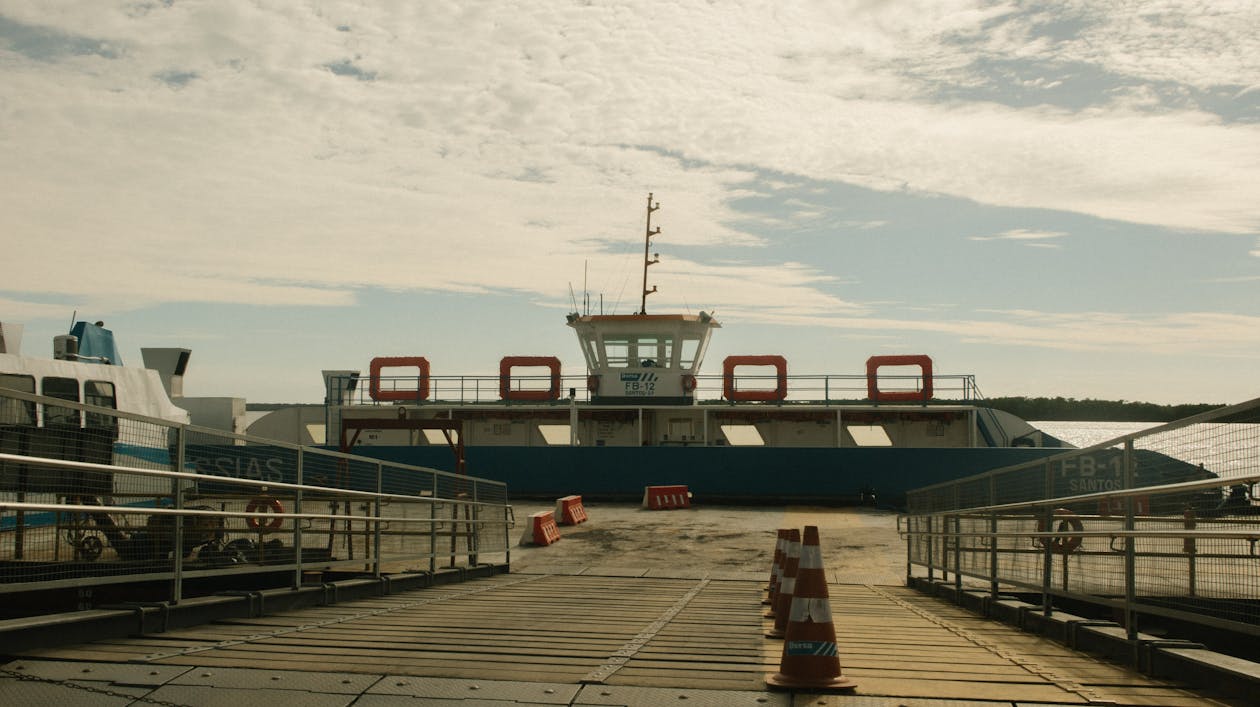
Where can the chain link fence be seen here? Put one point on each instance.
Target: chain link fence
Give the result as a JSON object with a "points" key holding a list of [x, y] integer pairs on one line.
{"points": [[1161, 522], [90, 495]]}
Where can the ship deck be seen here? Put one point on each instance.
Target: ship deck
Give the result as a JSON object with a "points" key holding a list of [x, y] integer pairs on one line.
{"points": [[584, 622]]}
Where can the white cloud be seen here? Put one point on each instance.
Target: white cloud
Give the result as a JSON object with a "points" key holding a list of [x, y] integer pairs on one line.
{"points": [[502, 146], [1020, 234], [1171, 334]]}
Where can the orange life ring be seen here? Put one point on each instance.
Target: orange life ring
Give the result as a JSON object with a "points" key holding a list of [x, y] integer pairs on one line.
{"points": [[688, 383], [421, 391], [507, 363], [1062, 544], [898, 396], [592, 384], [256, 522], [728, 378]]}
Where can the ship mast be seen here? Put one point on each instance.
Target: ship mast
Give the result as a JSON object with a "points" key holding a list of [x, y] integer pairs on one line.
{"points": [[647, 247]]}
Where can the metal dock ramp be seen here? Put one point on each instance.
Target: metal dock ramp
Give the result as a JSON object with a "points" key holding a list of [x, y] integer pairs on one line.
{"points": [[579, 639]]}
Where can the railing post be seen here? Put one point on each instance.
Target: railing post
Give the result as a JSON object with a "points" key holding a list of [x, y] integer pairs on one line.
{"points": [[177, 491], [993, 540], [376, 538], [957, 554], [1191, 548], [433, 503], [931, 546], [1047, 555], [474, 534], [297, 522], [1130, 548], [957, 544]]}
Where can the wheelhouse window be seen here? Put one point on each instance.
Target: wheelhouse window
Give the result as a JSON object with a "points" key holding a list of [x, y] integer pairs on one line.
{"points": [[617, 352], [649, 351], [654, 351], [64, 389], [101, 394], [17, 412], [690, 347]]}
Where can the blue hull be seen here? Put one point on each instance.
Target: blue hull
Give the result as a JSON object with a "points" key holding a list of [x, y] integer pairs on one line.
{"points": [[716, 473]]}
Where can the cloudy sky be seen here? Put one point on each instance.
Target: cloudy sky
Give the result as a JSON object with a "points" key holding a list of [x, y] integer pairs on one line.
{"points": [[1062, 198]]}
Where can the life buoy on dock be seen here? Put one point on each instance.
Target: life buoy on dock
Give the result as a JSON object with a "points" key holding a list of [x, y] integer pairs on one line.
{"points": [[269, 505], [507, 363], [421, 391], [1066, 521], [688, 383], [873, 392], [728, 378]]}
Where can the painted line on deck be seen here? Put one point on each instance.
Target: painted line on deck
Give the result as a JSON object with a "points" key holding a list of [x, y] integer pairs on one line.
{"points": [[619, 658]]}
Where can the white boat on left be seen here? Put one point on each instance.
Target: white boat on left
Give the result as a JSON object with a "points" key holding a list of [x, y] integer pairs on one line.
{"points": [[86, 367]]}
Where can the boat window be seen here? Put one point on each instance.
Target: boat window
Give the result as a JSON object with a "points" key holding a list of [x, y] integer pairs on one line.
{"points": [[555, 435], [436, 437], [100, 394], [318, 432], [690, 347], [654, 351], [742, 435], [592, 354], [65, 389], [617, 352], [17, 412], [869, 435]]}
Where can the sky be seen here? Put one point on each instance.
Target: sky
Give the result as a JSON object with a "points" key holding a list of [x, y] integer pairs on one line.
{"points": [[1061, 198]]}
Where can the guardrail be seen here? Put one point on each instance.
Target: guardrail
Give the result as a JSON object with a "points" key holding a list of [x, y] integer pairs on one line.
{"points": [[1162, 522], [825, 389], [92, 495]]}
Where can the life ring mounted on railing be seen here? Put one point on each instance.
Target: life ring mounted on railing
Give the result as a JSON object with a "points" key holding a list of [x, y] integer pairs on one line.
{"points": [[421, 391], [507, 363], [923, 394], [1065, 522], [688, 383], [592, 384], [728, 379], [262, 519]]}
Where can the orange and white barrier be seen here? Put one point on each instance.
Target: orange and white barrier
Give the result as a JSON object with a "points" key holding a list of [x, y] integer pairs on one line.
{"points": [[810, 659], [541, 529], [776, 568], [570, 511], [787, 584], [661, 498]]}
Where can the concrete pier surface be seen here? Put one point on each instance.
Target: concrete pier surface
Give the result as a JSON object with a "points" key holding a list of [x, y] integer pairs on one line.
{"points": [[632, 607]]}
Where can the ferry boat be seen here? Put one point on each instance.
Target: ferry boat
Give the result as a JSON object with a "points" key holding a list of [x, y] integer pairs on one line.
{"points": [[643, 414]]}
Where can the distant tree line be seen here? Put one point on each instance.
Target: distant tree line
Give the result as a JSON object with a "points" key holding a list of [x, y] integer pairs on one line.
{"points": [[1090, 410]]}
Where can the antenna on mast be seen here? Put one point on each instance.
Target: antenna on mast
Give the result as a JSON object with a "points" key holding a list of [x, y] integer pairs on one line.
{"points": [[647, 247]]}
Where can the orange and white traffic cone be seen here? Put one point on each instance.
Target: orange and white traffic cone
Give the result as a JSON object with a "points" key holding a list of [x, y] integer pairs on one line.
{"points": [[787, 583], [776, 567], [810, 659]]}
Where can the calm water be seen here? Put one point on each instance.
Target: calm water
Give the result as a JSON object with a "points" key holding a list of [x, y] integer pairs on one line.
{"points": [[1085, 434], [1228, 450]]}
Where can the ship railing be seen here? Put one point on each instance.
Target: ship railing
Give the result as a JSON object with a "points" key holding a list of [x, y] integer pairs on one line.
{"points": [[802, 388], [140, 499], [1151, 526]]}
